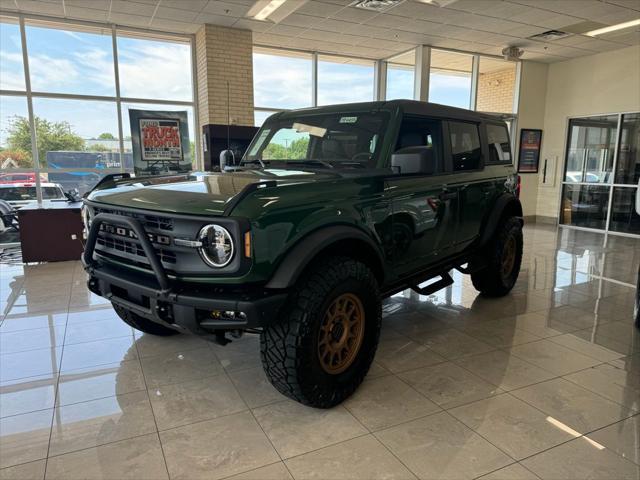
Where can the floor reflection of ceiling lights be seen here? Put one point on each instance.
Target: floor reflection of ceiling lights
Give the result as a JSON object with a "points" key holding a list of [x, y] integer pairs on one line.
{"points": [[571, 431]]}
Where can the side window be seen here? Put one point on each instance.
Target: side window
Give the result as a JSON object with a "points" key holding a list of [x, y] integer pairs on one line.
{"points": [[498, 141], [465, 146], [419, 134]]}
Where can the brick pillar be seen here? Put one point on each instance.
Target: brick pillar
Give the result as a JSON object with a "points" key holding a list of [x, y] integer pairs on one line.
{"points": [[224, 55]]}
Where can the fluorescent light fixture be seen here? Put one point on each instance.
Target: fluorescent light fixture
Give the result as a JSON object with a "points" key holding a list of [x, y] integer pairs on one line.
{"points": [[613, 28], [263, 8], [571, 431], [438, 3]]}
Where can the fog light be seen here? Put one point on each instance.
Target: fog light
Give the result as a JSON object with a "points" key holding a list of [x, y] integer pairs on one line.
{"points": [[228, 315]]}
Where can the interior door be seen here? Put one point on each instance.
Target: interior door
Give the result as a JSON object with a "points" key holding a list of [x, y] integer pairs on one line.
{"points": [[424, 213]]}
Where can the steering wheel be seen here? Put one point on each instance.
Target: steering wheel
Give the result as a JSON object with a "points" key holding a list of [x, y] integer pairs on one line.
{"points": [[366, 155]]}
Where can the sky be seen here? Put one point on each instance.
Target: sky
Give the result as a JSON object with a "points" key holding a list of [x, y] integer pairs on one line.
{"points": [[74, 62]]}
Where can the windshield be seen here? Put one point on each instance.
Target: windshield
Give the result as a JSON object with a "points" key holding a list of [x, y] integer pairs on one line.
{"points": [[331, 139]]}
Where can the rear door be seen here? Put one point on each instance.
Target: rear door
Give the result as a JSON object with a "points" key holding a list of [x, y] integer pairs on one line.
{"points": [[424, 213], [469, 180]]}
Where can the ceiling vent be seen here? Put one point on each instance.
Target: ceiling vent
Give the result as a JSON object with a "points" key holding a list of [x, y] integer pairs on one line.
{"points": [[550, 35], [376, 5]]}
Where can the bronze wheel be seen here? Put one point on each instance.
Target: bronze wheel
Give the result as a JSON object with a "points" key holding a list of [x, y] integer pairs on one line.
{"points": [[341, 333], [509, 256]]}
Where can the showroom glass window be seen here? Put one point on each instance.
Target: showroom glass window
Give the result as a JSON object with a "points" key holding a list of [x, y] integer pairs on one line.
{"points": [[344, 80], [450, 78], [74, 97]]}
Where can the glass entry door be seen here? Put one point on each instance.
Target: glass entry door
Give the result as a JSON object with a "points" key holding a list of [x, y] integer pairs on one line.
{"points": [[602, 170]]}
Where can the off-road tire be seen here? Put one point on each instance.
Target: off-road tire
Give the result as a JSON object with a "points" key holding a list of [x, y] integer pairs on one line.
{"points": [[289, 349], [142, 324], [492, 280]]}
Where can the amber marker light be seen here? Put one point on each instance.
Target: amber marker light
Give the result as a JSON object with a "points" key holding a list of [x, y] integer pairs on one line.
{"points": [[247, 244]]}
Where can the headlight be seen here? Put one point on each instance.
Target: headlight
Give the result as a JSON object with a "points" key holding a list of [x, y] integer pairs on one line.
{"points": [[217, 245], [86, 219]]}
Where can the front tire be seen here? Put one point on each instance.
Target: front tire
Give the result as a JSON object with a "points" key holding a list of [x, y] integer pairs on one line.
{"points": [[142, 324], [504, 257], [322, 347]]}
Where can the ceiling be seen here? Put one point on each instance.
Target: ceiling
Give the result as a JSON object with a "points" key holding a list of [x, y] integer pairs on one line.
{"points": [[480, 26]]}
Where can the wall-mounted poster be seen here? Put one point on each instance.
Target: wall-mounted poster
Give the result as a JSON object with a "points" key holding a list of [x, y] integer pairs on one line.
{"points": [[529, 153], [160, 142]]}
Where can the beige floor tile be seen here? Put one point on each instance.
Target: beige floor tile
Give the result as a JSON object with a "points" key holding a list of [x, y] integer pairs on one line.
{"points": [[16, 323], [101, 381], [295, 429], [539, 324], [580, 409], [23, 340], [26, 471], [501, 334], [611, 382], [180, 367], [86, 315], [150, 345], [451, 343], [503, 370], [622, 437], [99, 422], [510, 424], [27, 395], [439, 446], [136, 459], [44, 361], [590, 349], [193, 401], [102, 352], [449, 385], [382, 402], [24, 438], [362, 458], [276, 471], [512, 472], [98, 330], [240, 354], [401, 354], [553, 357], [581, 459], [217, 448], [254, 387]]}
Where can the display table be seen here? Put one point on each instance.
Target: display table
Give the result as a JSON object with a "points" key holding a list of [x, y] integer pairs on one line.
{"points": [[51, 232]]}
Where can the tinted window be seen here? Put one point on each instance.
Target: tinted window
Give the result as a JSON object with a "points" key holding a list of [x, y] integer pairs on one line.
{"points": [[18, 193], [498, 141], [418, 132], [465, 146]]}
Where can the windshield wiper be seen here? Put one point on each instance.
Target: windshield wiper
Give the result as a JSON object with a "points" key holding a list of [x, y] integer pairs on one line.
{"points": [[253, 162], [311, 161]]}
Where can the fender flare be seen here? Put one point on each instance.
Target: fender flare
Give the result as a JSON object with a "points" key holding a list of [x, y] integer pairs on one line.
{"points": [[306, 249], [506, 202]]}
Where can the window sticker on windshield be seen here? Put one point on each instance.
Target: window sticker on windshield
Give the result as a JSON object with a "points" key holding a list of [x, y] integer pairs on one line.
{"points": [[258, 143], [348, 119]]}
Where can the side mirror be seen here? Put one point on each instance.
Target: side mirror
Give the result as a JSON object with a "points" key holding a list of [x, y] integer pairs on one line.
{"points": [[226, 158], [414, 160]]}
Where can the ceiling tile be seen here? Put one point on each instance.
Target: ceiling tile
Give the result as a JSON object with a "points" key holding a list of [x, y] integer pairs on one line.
{"points": [[130, 20], [250, 24], [175, 14], [134, 8], [87, 13], [192, 5], [234, 9], [94, 5], [41, 8], [223, 20], [299, 20], [172, 26], [319, 9]]}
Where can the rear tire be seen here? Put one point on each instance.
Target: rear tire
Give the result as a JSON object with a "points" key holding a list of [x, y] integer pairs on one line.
{"points": [[504, 256], [321, 349], [142, 324]]}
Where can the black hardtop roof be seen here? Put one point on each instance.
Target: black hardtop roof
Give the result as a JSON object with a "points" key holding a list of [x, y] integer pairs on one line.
{"points": [[411, 107]]}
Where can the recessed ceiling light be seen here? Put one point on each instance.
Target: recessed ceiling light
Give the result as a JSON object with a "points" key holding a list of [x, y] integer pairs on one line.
{"points": [[613, 28], [263, 8]]}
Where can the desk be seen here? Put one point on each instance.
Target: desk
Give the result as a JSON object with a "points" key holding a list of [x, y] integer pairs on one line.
{"points": [[51, 232]]}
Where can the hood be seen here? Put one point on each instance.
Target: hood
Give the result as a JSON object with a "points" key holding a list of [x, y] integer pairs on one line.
{"points": [[198, 193]]}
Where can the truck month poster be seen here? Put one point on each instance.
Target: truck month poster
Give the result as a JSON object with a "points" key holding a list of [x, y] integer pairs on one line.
{"points": [[160, 142]]}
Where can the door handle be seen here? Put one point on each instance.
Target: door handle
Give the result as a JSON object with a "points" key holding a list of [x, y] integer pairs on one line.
{"points": [[447, 195]]}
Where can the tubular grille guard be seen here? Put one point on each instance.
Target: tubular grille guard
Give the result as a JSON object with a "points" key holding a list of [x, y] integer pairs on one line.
{"points": [[137, 227]]}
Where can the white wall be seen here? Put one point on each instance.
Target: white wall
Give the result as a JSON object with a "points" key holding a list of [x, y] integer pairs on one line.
{"points": [[531, 111], [602, 83]]}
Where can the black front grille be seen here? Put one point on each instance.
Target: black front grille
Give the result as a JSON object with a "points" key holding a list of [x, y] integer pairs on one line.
{"points": [[154, 222], [134, 248]]}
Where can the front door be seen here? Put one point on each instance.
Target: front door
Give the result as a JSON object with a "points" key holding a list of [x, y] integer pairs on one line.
{"points": [[424, 212]]}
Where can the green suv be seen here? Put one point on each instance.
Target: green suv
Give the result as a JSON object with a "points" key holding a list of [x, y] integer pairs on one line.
{"points": [[331, 210]]}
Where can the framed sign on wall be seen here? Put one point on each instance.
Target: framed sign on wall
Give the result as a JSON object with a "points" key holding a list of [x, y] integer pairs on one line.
{"points": [[529, 151]]}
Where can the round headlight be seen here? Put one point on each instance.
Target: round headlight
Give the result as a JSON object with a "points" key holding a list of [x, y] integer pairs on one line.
{"points": [[217, 245]]}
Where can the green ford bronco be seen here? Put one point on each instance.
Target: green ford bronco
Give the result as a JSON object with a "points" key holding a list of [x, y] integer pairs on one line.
{"points": [[331, 210]]}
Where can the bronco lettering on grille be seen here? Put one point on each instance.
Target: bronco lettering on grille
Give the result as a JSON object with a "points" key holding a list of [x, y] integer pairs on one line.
{"points": [[127, 232]]}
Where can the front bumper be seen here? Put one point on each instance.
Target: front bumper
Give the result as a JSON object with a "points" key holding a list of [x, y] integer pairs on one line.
{"points": [[201, 310]]}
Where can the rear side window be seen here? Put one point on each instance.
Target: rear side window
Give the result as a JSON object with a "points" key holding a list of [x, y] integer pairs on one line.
{"points": [[498, 141], [422, 133], [465, 146]]}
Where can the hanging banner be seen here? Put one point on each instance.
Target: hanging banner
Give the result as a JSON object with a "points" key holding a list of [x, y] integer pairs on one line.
{"points": [[160, 142]]}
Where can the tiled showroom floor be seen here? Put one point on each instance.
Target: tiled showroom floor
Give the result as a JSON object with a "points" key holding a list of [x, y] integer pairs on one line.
{"points": [[542, 383]]}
